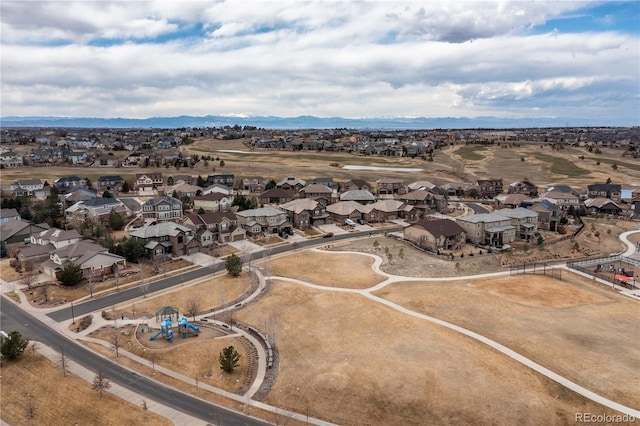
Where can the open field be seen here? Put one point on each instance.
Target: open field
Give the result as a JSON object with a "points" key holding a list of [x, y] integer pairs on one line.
{"points": [[542, 165], [62, 400], [328, 269], [349, 360], [585, 332]]}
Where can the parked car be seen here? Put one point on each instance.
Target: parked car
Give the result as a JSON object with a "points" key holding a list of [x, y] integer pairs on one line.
{"points": [[361, 222], [328, 235], [349, 222]]}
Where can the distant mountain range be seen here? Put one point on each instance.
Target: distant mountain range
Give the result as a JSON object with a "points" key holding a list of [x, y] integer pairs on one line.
{"points": [[300, 122]]}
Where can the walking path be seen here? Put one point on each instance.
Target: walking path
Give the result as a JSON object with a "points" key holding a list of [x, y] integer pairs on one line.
{"points": [[184, 419]]}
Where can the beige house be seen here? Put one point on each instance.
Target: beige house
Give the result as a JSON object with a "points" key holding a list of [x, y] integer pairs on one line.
{"points": [[490, 229], [214, 202], [525, 221]]}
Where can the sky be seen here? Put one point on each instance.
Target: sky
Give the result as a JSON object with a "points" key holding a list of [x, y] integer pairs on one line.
{"points": [[351, 59]]}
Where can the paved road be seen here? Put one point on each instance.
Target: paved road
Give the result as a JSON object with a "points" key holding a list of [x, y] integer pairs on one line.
{"points": [[477, 208], [107, 301], [14, 318]]}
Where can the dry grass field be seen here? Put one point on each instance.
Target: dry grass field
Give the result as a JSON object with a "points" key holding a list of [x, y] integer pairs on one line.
{"points": [[59, 400], [578, 329], [352, 361], [207, 294], [328, 269]]}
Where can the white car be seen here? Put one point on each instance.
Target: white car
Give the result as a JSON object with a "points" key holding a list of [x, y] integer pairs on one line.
{"points": [[350, 223]]}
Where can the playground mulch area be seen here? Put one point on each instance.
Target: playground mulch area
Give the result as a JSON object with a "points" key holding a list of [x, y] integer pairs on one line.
{"points": [[577, 328], [349, 360]]}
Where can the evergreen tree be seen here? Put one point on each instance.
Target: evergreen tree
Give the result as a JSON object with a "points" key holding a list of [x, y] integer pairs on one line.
{"points": [[70, 275], [116, 222], [13, 345], [234, 265], [229, 359]]}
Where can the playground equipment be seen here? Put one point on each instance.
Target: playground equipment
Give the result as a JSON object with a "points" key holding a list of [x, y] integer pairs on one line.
{"points": [[184, 325], [165, 329]]}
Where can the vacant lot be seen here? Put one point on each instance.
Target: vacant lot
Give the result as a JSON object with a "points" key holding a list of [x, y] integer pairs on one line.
{"points": [[349, 360], [60, 400], [579, 330]]}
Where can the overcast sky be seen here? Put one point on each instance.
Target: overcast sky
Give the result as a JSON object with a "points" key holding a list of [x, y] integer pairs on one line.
{"points": [[349, 59]]}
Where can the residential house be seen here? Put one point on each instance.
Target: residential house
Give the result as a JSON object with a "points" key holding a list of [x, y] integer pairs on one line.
{"points": [[344, 210], [217, 188], [77, 158], [510, 201], [78, 194], [67, 183], [266, 220], [227, 180], [254, 184], [319, 192], [26, 187], [388, 186], [214, 202], [388, 210], [292, 184], [276, 196], [523, 187], [436, 235], [564, 200], [180, 189], [160, 209], [306, 212], [94, 260], [548, 215], [166, 238], [605, 190], [425, 202], [106, 160], [185, 178], [423, 185], [357, 184], [148, 182], [601, 205], [214, 227], [9, 214], [95, 208], [10, 159], [490, 229], [361, 196], [489, 188], [460, 189], [110, 182], [55, 237], [525, 221], [326, 181], [14, 233]]}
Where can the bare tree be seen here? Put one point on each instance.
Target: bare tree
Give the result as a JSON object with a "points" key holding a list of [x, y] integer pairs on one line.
{"points": [[193, 307], [63, 362], [144, 285], [115, 339], [34, 346], [43, 291], [100, 383], [29, 276], [144, 405], [31, 410], [91, 285], [152, 358]]}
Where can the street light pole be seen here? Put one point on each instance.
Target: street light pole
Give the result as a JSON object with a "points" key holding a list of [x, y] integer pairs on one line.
{"points": [[72, 314]]}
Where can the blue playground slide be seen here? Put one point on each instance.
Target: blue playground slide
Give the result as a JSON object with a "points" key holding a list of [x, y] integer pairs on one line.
{"points": [[193, 327], [155, 335], [170, 335]]}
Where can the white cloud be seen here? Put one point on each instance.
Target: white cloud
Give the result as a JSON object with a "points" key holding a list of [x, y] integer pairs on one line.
{"points": [[350, 59]]}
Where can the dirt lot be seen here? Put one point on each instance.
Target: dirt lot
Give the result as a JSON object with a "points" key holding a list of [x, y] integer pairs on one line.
{"points": [[583, 331], [62, 400], [352, 361]]}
